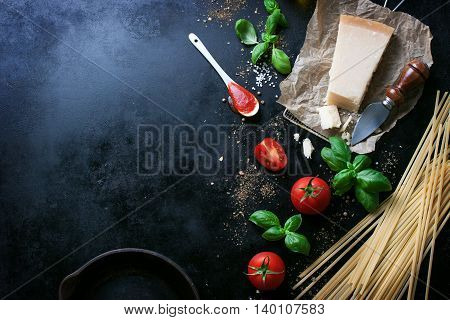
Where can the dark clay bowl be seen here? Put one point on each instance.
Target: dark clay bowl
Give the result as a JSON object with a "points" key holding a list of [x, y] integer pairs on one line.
{"points": [[128, 274]]}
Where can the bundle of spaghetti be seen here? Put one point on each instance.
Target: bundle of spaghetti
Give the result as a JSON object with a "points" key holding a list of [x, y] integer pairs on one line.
{"points": [[394, 240]]}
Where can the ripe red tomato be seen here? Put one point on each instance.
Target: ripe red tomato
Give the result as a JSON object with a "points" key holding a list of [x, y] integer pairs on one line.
{"points": [[271, 155], [266, 271], [310, 195]]}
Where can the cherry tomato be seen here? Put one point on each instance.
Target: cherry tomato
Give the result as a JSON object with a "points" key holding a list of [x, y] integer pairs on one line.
{"points": [[310, 195], [266, 271], [271, 155]]}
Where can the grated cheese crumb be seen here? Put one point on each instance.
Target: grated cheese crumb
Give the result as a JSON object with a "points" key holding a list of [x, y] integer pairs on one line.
{"points": [[307, 148], [347, 122], [347, 137]]}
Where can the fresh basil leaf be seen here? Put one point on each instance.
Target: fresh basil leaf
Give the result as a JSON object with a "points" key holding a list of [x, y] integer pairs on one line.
{"points": [[272, 21], [297, 243], [283, 21], [361, 162], [270, 5], [369, 200], [271, 38], [334, 163], [343, 181], [274, 233], [259, 50], [264, 219], [293, 223], [281, 61], [246, 32], [373, 181], [340, 149]]}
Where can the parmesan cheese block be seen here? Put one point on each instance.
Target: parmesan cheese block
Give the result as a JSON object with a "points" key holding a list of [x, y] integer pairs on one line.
{"points": [[329, 117], [359, 47]]}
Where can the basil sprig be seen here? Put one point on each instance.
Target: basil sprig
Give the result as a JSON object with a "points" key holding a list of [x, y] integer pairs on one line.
{"points": [[270, 38], [269, 221], [367, 182], [259, 50], [264, 219], [273, 21], [271, 6], [280, 61], [247, 34]]}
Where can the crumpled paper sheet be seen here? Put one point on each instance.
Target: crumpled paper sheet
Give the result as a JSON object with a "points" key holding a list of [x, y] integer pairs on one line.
{"points": [[305, 89]]}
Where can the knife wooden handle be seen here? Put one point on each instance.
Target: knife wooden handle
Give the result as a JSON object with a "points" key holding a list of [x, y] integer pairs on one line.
{"points": [[413, 74]]}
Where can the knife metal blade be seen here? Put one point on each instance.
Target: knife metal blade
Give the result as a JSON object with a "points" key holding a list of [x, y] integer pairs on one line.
{"points": [[371, 119], [412, 75]]}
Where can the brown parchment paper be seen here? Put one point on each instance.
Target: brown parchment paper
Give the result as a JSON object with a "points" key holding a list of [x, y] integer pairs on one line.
{"points": [[304, 90]]}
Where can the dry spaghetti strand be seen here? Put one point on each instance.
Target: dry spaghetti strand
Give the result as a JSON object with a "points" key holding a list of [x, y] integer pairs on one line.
{"points": [[402, 230]]}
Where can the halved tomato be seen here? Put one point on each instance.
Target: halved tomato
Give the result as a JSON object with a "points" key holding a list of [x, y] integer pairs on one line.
{"points": [[271, 155]]}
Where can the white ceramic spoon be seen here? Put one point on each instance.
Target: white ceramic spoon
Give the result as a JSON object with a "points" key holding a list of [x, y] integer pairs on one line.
{"points": [[225, 77]]}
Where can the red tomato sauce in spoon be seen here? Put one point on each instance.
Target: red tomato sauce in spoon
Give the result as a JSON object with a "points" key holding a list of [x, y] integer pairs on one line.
{"points": [[243, 100]]}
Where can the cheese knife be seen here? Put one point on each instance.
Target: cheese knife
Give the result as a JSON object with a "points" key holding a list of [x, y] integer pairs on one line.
{"points": [[375, 114]]}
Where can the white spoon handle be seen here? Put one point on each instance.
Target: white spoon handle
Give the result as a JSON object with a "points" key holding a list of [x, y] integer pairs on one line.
{"points": [[201, 47]]}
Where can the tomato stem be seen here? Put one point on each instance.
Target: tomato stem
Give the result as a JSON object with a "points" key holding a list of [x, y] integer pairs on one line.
{"points": [[263, 270], [310, 191]]}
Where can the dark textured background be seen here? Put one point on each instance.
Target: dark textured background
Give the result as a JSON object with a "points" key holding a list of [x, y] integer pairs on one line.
{"points": [[74, 77]]}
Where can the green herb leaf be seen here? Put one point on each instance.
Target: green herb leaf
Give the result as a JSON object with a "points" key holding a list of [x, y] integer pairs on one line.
{"points": [[297, 243], [271, 38], [274, 233], [246, 32], [373, 181], [272, 21], [334, 163], [293, 223], [270, 5], [340, 149], [283, 21], [281, 61], [361, 162], [343, 181], [264, 219], [369, 200], [259, 50]]}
